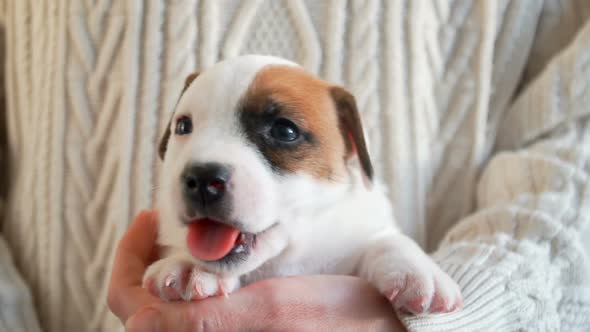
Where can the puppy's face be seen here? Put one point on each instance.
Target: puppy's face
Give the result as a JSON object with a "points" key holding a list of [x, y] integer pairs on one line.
{"points": [[254, 140]]}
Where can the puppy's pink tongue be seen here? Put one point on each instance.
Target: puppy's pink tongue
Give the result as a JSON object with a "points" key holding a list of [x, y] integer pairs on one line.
{"points": [[209, 240]]}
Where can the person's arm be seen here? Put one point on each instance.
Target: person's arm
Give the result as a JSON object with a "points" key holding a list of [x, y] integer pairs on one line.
{"points": [[16, 306], [520, 259]]}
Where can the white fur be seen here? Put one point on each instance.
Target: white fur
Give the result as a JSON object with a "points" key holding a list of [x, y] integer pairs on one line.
{"points": [[325, 227]]}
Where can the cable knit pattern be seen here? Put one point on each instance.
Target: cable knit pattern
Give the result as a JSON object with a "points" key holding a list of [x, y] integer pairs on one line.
{"points": [[90, 86]]}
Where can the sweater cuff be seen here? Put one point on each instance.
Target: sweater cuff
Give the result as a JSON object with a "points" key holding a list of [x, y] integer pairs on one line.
{"points": [[494, 296]]}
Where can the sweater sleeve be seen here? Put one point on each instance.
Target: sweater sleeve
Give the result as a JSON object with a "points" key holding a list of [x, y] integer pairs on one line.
{"points": [[16, 307], [17, 313], [520, 257]]}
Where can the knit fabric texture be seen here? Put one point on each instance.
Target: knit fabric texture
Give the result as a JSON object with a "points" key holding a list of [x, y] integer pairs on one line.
{"points": [[476, 115]]}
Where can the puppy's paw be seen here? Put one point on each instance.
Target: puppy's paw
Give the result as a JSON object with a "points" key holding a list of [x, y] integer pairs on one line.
{"points": [[174, 279], [204, 284], [419, 289]]}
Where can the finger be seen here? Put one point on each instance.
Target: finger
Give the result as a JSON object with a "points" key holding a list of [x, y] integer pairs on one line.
{"points": [[333, 303], [134, 253], [273, 304], [321, 302], [241, 312]]}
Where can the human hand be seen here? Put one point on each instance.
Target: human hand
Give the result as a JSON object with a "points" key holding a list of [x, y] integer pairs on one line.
{"points": [[292, 304]]}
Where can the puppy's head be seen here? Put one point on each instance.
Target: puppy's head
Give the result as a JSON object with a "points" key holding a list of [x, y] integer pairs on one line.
{"points": [[254, 142]]}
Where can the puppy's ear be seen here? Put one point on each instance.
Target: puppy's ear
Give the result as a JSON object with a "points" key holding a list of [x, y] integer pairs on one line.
{"points": [[164, 141], [189, 79], [352, 129]]}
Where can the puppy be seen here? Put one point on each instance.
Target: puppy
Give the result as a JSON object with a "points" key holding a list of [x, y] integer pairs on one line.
{"points": [[266, 173]]}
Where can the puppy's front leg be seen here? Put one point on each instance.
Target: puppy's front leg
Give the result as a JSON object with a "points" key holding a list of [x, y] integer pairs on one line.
{"points": [[177, 277], [407, 276]]}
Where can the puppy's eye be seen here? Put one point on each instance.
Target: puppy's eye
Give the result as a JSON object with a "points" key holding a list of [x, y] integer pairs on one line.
{"points": [[184, 126], [284, 130]]}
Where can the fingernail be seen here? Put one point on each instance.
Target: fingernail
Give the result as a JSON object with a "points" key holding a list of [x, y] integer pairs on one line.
{"points": [[147, 320]]}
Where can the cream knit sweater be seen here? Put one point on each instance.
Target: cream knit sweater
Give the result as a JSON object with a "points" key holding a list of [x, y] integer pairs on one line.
{"points": [[477, 113]]}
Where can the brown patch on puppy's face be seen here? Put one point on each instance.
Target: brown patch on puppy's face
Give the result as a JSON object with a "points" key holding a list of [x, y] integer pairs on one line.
{"points": [[291, 117]]}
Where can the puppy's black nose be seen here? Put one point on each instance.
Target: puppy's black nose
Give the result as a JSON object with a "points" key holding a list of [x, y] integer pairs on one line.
{"points": [[205, 184]]}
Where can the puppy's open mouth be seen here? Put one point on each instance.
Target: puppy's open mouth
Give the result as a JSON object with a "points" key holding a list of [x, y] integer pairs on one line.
{"points": [[211, 240]]}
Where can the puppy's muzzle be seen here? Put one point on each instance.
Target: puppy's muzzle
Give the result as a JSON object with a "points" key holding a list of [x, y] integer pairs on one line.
{"points": [[205, 189]]}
